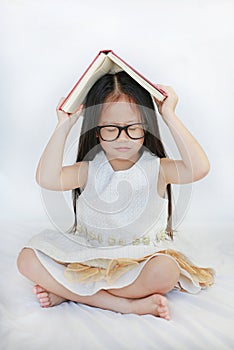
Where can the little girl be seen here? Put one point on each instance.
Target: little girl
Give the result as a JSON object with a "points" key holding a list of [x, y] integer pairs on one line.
{"points": [[120, 255]]}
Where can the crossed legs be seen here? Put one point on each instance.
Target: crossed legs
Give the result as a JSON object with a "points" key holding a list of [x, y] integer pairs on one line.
{"points": [[143, 296]]}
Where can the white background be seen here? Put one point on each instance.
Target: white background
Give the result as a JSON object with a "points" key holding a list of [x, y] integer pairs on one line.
{"points": [[45, 47]]}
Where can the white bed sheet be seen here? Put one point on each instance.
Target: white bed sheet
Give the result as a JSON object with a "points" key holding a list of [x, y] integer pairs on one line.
{"points": [[202, 321]]}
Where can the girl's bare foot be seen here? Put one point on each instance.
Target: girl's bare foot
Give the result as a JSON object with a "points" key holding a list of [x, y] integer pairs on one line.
{"points": [[155, 304], [47, 299]]}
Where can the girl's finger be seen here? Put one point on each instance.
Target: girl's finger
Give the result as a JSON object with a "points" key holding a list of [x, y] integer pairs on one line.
{"points": [[78, 111], [158, 103], [60, 102]]}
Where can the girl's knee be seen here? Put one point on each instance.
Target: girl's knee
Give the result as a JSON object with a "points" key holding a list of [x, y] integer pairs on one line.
{"points": [[167, 272], [25, 261]]}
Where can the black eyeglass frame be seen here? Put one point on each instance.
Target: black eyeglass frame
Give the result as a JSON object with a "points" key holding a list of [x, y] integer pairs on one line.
{"points": [[120, 128]]}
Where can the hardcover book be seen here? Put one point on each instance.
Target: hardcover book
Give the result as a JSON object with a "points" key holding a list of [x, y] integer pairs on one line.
{"points": [[105, 62]]}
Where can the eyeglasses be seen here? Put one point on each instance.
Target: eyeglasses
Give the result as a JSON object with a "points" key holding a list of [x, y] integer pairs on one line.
{"points": [[112, 132]]}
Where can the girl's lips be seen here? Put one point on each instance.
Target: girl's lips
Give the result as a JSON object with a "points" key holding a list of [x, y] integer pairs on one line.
{"points": [[122, 149]]}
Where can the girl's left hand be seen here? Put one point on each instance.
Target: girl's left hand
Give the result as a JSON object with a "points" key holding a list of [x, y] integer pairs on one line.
{"points": [[167, 107]]}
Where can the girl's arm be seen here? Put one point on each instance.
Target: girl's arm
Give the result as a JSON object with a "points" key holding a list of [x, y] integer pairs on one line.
{"points": [[194, 164], [50, 173]]}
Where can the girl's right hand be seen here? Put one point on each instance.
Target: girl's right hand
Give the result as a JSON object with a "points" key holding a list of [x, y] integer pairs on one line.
{"points": [[67, 120]]}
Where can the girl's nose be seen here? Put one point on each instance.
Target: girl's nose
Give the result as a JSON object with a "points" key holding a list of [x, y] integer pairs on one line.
{"points": [[123, 136]]}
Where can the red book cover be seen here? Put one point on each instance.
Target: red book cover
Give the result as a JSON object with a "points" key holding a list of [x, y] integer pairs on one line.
{"points": [[133, 69]]}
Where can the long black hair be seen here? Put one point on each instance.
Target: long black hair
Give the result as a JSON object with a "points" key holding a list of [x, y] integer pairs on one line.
{"points": [[111, 87]]}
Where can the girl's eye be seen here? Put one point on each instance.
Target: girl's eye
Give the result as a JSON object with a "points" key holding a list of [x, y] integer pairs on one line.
{"points": [[111, 129]]}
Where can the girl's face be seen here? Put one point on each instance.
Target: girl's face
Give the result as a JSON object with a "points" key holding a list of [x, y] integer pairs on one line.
{"points": [[121, 113]]}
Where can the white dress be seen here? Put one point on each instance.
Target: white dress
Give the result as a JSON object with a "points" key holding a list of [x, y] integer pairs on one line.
{"points": [[121, 225]]}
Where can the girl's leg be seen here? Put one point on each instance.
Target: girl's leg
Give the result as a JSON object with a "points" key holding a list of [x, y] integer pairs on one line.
{"points": [[30, 267], [159, 275], [154, 304]]}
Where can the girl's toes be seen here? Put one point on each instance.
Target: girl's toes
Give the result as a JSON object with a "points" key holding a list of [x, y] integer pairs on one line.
{"points": [[44, 300], [35, 290], [163, 312], [163, 301], [45, 304], [167, 318], [42, 295], [162, 309], [165, 315], [38, 289]]}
